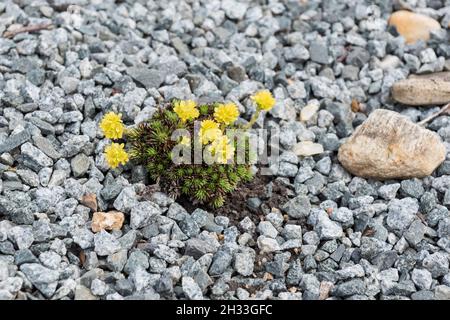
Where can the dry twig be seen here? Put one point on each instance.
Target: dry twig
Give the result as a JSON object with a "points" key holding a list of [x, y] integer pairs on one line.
{"points": [[445, 109], [29, 28]]}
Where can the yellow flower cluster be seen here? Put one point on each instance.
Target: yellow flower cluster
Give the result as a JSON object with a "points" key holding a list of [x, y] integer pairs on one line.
{"points": [[186, 110], [112, 125], [222, 149], [264, 100], [220, 146], [115, 155], [185, 141], [113, 128], [209, 131], [226, 113]]}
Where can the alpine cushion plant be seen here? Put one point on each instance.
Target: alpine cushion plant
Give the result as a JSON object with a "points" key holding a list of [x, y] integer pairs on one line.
{"points": [[184, 126], [152, 145]]}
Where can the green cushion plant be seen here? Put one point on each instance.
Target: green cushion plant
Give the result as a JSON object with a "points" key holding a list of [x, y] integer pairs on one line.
{"points": [[180, 129]]}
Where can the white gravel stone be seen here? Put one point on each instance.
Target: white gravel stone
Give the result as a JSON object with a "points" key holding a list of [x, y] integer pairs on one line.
{"points": [[266, 244]]}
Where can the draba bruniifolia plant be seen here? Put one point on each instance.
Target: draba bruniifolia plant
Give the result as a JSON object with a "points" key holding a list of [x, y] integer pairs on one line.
{"points": [[189, 149]]}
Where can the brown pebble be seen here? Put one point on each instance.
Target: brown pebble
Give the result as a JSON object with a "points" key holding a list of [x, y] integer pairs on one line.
{"points": [[112, 220], [89, 200]]}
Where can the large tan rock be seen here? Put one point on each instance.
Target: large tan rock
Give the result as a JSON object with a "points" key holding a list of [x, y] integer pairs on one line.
{"points": [[112, 220], [413, 26], [389, 146], [437, 76], [423, 90]]}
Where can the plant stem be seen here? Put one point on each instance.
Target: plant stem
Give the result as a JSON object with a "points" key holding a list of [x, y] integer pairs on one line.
{"points": [[444, 109], [29, 28], [252, 120]]}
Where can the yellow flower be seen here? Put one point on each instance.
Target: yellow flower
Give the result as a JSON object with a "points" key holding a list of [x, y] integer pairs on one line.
{"points": [[112, 125], [115, 155], [226, 113], [209, 131], [186, 110], [222, 149], [264, 100], [185, 141]]}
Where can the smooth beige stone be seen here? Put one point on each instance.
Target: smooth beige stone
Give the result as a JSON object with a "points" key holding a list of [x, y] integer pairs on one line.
{"points": [[413, 26], [389, 146], [423, 90], [437, 76]]}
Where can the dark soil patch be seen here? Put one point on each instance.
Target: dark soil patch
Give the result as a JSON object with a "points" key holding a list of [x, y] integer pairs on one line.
{"points": [[236, 203], [236, 208], [261, 260]]}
